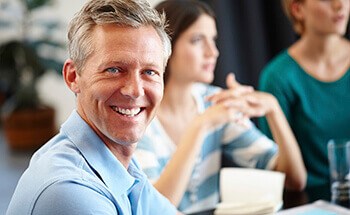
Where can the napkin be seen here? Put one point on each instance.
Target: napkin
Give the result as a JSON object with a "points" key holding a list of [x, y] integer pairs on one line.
{"points": [[250, 191]]}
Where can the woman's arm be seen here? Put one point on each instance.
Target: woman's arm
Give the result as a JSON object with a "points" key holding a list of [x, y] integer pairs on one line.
{"points": [[289, 158], [176, 175], [259, 104]]}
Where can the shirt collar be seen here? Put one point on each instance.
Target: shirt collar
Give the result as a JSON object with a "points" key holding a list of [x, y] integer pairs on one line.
{"points": [[99, 157]]}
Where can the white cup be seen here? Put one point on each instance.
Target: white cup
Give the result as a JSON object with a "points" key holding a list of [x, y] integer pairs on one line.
{"points": [[339, 166]]}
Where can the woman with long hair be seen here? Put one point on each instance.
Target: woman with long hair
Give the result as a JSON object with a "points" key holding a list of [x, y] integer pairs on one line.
{"points": [[197, 123]]}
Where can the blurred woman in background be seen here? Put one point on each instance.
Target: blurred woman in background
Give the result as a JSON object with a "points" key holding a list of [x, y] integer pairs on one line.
{"points": [[196, 122], [311, 80]]}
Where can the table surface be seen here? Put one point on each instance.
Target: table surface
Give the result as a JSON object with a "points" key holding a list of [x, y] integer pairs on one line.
{"points": [[294, 198]]}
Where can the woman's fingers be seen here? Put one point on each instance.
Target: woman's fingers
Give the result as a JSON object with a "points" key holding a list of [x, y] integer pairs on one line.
{"points": [[231, 82], [229, 107], [234, 90], [230, 94]]}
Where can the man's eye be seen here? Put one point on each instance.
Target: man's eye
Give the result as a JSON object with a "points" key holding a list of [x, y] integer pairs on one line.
{"points": [[113, 70], [150, 72]]}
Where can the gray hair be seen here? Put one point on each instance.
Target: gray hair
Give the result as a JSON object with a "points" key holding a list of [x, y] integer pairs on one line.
{"points": [[132, 13]]}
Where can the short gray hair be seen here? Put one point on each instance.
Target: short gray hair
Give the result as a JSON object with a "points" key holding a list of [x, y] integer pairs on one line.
{"points": [[133, 13]]}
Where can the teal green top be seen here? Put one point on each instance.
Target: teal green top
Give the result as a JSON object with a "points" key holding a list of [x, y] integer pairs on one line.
{"points": [[317, 111]]}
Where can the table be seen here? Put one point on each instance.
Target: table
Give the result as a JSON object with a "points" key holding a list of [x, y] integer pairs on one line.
{"points": [[295, 198]]}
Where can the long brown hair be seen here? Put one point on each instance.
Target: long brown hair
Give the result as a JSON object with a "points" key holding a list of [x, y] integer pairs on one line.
{"points": [[180, 15]]}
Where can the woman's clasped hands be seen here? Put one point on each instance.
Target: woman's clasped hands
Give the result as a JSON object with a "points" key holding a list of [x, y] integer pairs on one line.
{"points": [[240, 102]]}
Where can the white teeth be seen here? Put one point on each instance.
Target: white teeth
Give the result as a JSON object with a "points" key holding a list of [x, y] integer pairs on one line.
{"points": [[127, 112]]}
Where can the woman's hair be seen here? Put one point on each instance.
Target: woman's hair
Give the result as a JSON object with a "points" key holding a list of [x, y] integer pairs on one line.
{"points": [[181, 14], [287, 8], [132, 13]]}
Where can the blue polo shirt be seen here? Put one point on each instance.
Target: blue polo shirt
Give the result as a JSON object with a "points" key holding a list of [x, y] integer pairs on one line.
{"points": [[75, 173]]}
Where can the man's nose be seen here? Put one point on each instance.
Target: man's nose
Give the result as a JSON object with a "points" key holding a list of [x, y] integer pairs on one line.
{"points": [[133, 86]]}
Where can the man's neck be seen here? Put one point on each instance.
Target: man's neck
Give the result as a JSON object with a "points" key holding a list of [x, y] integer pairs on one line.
{"points": [[122, 152]]}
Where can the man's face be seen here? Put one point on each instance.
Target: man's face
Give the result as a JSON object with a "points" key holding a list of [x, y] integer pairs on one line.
{"points": [[121, 83]]}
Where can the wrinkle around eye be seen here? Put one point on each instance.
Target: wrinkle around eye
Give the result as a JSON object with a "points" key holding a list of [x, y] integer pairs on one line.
{"points": [[153, 75]]}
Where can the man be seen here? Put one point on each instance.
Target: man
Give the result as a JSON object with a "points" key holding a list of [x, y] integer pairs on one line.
{"points": [[118, 51]]}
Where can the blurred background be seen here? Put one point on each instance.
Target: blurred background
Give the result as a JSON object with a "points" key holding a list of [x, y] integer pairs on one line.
{"points": [[251, 32], [32, 51]]}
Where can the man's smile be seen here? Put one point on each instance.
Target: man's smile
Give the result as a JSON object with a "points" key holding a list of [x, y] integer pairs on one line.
{"points": [[130, 112]]}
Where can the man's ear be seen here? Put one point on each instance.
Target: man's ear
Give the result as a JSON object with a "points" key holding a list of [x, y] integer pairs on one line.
{"points": [[71, 76]]}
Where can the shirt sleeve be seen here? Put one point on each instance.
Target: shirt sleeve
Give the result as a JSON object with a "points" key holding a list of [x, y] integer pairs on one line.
{"points": [[74, 199], [248, 147]]}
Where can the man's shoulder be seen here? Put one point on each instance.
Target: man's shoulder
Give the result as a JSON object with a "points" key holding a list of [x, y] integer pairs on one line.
{"points": [[71, 195], [55, 163], [39, 194]]}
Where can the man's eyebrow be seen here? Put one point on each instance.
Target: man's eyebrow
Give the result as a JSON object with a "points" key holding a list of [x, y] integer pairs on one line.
{"points": [[152, 64], [105, 64], [124, 63]]}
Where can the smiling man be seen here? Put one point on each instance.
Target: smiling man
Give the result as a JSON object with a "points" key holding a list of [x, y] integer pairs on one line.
{"points": [[118, 51]]}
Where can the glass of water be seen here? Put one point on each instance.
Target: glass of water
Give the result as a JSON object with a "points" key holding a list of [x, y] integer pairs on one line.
{"points": [[339, 166]]}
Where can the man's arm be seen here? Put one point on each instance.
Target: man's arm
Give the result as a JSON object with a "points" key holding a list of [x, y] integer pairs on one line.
{"points": [[74, 199]]}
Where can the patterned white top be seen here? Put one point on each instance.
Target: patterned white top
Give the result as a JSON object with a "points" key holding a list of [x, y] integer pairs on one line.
{"points": [[241, 147]]}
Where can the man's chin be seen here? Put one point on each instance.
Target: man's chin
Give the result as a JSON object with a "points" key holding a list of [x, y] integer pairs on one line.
{"points": [[125, 141], [127, 136], [128, 140]]}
